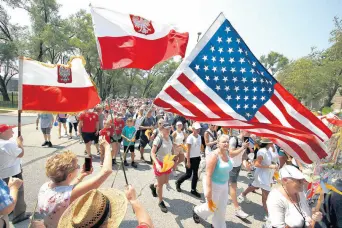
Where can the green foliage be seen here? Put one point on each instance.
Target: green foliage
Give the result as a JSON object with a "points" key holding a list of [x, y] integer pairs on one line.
{"points": [[326, 110], [317, 76], [274, 62]]}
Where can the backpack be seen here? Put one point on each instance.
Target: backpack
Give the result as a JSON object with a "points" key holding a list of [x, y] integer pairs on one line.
{"points": [[161, 141], [213, 147]]}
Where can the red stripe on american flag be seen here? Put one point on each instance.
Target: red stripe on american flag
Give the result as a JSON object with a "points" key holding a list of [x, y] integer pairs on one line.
{"points": [[273, 119], [159, 102], [174, 94], [291, 100], [292, 121], [203, 97]]}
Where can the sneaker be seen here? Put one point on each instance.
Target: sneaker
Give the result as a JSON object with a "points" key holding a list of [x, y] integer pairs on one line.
{"points": [[46, 143], [174, 173], [98, 153], [101, 163], [250, 176], [153, 190], [195, 193], [126, 163], [241, 198], [114, 161], [134, 165], [241, 214], [162, 206], [196, 218], [178, 188], [49, 144], [70, 137], [266, 218]]}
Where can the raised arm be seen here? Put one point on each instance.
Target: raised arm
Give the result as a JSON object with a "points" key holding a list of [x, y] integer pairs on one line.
{"points": [[96, 181]]}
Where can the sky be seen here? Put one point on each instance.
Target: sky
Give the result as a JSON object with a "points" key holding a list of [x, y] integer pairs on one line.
{"points": [[290, 27]]}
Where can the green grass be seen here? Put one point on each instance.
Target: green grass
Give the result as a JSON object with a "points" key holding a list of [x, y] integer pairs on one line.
{"points": [[5, 111]]}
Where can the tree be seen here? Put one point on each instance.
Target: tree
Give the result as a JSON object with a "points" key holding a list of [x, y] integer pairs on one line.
{"points": [[274, 62], [10, 35]]}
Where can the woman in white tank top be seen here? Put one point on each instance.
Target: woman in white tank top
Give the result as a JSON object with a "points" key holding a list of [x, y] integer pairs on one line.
{"points": [[210, 139], [178, 137]]}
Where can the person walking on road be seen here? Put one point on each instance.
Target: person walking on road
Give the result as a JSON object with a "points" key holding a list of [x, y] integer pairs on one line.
{"points": [[193, 159], [73, 123], [162, 146], [62, 119], [215, 185], [89, 125], [11, 153], [147, 124], [46, 123]]}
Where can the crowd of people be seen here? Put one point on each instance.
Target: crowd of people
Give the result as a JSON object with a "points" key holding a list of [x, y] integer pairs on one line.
{"points": [[213, 154]]}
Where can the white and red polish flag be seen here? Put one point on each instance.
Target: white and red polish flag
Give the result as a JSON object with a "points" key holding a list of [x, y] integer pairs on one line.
{"points": [[130, 41], [55, 87], [223, 83]]}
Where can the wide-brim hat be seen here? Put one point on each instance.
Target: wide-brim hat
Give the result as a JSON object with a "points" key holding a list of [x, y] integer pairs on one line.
{"points": [[108, 205], [265, 140]]}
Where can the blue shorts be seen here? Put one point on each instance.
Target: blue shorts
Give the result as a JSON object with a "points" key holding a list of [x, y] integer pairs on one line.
{"points": [[61, 120]]}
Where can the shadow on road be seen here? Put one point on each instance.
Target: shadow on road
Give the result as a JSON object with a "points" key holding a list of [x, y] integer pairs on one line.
{"points": [[57, 147], [181, 208]]}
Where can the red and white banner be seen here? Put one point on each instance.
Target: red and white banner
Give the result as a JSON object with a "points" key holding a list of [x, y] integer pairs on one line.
{"points": [[55, 88], [130, 41]]}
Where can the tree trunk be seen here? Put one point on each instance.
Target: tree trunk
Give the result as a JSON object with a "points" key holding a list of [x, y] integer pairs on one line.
{"points": [[330, 96], [40, 56], [3, 90]]}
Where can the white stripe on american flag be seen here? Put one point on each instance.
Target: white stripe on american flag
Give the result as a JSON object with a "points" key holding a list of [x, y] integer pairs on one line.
{"points": [[277, 113], [165, 97], [296, 115], [193, 99], [261, 118]]}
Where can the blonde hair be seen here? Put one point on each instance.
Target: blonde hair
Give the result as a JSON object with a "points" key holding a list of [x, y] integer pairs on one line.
{"points": [[59, 166]]}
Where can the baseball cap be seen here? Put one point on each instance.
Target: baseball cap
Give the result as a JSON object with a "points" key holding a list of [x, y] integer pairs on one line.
{"points": [[196, 125], [5, 127], [166, 125], [179, 123], [289, 171]]}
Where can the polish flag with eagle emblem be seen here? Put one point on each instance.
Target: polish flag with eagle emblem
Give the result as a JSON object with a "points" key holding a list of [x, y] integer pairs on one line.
{"points": [[130, 41]]}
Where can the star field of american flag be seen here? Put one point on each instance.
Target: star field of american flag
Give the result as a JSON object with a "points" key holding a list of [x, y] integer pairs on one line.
{"points": [[229, 68]]}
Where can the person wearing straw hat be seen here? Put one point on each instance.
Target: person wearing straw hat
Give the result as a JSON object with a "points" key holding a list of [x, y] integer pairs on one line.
{"points": [[287, 203], [162, 147], [66, 184], [265, 165], [215, 185], [104, 208]]}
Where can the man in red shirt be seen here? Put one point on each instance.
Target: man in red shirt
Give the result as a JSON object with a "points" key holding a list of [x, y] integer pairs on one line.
{"points": [[89, 125], [117, 125]]}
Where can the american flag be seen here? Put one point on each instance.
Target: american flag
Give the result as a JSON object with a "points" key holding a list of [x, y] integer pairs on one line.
{"points": [[223, 83]]}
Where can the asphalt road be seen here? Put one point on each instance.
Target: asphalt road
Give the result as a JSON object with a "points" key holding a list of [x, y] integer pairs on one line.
{"points": [[13, 120], [179, 204]]}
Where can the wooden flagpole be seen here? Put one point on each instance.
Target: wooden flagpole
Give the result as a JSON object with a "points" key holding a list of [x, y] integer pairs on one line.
{"points": [[20, 92]]}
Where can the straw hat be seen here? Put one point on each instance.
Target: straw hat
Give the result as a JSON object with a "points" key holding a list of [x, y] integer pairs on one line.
{"points": [[100, 206]]}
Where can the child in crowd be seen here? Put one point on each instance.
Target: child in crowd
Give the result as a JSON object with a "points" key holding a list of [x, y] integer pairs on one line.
{"points": [[129, 140], [106, 132]]}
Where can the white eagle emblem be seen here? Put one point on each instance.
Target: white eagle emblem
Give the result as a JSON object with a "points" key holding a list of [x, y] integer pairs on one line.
{"points": [[64, 74], [142, 25]]}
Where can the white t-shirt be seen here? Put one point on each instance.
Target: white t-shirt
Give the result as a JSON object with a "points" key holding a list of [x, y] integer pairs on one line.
{"points": [[195, 150], [282, 212], [9, 161], [72, 119], [237, 160]]}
